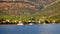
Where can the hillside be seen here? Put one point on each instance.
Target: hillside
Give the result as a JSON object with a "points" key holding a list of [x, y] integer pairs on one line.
{"points": [[22, 7], [26, 9], [52, 12]]}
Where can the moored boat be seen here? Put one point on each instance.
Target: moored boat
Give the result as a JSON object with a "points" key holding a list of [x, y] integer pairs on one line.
{"points": [[20, 23], [30, 23]]}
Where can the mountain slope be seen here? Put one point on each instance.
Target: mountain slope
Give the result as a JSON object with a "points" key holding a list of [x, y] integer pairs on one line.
{"points": [[52, 11], [17, 8], [22, 7]]}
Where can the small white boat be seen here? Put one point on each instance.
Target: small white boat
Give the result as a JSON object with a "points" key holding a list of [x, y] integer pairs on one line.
{"points": [[20, 23], [30, 23]]}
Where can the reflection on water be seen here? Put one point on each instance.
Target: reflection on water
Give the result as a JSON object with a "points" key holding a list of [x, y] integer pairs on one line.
{"points": [[30, 29]]}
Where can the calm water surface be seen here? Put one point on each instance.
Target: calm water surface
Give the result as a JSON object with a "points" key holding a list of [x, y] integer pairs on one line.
{"points": [[30, 29]]}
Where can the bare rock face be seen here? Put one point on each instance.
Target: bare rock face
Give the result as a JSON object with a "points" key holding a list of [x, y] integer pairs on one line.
{"points": [[18, 7]]}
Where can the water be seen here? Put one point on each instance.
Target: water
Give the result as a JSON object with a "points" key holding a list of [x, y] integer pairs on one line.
{"points": [[30, 29]]}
